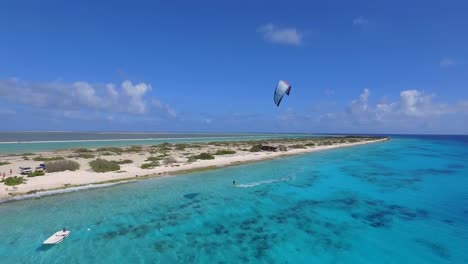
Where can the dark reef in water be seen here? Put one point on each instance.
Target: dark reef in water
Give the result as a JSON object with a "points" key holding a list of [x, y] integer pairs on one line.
{"points": [[436, 248], [456, 166], [381, 176], [191, 195]]}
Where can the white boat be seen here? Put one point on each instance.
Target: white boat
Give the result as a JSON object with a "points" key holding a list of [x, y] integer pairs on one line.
{"points": [[56, 238]]}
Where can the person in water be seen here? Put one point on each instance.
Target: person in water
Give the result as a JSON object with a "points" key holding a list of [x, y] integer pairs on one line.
{"points": [[233, 182]]}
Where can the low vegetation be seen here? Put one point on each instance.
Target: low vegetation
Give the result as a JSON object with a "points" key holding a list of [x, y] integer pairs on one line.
{"points": [[15, 180], [181, 146], [36, 173], [102, 165], [134, 149], [85, 156], [4, 163], [82, 150], [298, 146], [110, 149], [153, 159], [41, 158], [126, 161], [150, 165], [27, 154], [224, 152], [256, 148], [62, 165], [204, 156]]}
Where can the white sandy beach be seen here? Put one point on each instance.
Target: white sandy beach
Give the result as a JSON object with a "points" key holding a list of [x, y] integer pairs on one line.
{"points": [[85, 175]]}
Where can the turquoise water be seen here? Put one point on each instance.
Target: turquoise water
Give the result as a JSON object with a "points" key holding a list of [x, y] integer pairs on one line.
{"points": [[21, 142], [402, 201]]}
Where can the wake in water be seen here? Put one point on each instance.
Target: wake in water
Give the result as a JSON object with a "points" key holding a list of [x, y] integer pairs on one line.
{"points": [[253, 184]]}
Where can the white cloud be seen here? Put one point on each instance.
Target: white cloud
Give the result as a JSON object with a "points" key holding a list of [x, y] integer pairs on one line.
{"points": [[413, 111], [87, 95], [165, 107], [287, 36], [360, 21], [136, 94], [447, 62], [75, 99]]}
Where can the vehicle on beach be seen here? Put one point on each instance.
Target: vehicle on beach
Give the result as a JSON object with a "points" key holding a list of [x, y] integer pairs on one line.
{"points": [[25, 170]]}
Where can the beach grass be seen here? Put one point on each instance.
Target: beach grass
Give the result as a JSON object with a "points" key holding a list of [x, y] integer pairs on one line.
{"points": [[82, 150], [36, 173], [85, 156], [150, 165], [224, 152], [102, 165], [62, 165], [204, 156], [15, 180], [111, 149], [126, 161], [4, 163], [41, 158]]}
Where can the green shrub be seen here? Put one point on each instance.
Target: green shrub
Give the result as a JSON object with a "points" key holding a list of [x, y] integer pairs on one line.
{"points": [[102, 165], [111, 149], [164, 149], [27, 154], [40, 158], [181, 146], [15, 180], [82, 150], [204, 156], [4, 163], [85, 156], [224, 152], [298, 146], [134, 149], [25, 158], [256, 148], [126, 161], [165, 145], [107, 154], [153, 159], [62, 165], [150, 165], [36, 173]]}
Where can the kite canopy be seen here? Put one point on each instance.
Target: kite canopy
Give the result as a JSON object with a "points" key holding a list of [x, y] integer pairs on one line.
{"points": [[282, 88]]}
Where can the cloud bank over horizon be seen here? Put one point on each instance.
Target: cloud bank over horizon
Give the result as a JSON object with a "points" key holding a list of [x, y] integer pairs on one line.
{"points": [[132, 105]]}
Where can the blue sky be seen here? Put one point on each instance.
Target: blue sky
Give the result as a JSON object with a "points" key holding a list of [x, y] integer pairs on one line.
{"points": [[354, 66]]}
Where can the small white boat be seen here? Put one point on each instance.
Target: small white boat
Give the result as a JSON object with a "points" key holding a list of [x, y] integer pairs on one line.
{"points": [[56, 238]]}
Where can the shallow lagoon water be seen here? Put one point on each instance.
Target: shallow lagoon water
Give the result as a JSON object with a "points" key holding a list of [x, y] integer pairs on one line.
{"points": [[402, 201]]}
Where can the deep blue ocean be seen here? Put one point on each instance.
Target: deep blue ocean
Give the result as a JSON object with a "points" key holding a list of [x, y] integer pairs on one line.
{"points": [[400, 201]]}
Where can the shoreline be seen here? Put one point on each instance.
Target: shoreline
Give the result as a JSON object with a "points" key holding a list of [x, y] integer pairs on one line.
{"points": [[70, 181]]}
